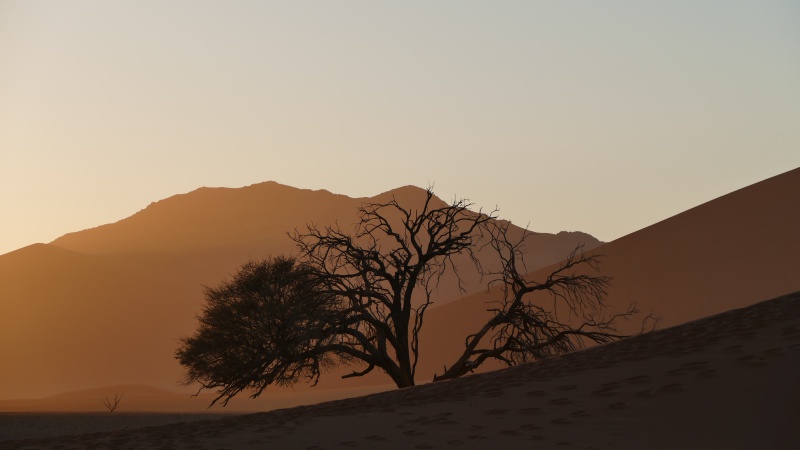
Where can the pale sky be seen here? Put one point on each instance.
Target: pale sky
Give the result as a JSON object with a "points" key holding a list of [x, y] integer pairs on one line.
{"points": [[603, 117]]}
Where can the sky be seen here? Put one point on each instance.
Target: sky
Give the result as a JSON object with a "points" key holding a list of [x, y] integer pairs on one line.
{"points": [[603, 117]]}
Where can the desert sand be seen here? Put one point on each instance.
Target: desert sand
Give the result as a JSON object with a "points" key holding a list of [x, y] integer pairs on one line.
{"points": [[728, 381]]}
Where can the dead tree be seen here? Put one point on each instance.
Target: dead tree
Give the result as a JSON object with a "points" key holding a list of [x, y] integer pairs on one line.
{"points": [[112, 404], [385, 273], [572, 313]]}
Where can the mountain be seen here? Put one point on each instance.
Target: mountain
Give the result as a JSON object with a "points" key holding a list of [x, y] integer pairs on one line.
{"points": [[107, 306], [728, 253]]}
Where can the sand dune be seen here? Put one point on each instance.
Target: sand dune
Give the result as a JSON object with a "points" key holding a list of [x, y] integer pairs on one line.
{"points": [[726, 381], [724, 254]]}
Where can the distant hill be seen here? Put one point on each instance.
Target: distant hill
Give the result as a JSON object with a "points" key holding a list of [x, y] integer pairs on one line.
{"points": [[106, 306]]}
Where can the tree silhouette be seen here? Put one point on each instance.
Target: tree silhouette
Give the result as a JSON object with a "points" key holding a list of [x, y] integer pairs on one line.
{"points": [[361, 297], [271, 324], [112, 404], [376, 271], [523, 329]]}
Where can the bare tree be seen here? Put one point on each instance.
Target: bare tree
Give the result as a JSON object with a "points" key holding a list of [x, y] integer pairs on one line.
{"points": [[112, 404], [527, 325], [394, 254]]}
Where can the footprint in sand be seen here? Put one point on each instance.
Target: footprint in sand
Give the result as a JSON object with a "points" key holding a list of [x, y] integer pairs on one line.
{"points": [[607, 389], [413, 433], [536, 394], [694, 365], [604, 392], [753, 360], [638, 379], [733, 349], [672, 387], [774, 351], [494, 394], [707, 373], [792, 331], [510, 432], [530, 411], [646, 393], [748, 336]]}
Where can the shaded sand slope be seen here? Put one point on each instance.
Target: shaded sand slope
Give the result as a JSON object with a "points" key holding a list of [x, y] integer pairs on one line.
{"points": [[724, 254], [726, 381], [107, 306]]}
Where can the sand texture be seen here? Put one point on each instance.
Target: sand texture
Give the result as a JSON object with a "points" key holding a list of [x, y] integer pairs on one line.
{"points": [[728, 381], [36, 425]]}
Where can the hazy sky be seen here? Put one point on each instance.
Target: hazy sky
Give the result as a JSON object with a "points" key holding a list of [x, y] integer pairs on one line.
{"points": [[597, 116]]}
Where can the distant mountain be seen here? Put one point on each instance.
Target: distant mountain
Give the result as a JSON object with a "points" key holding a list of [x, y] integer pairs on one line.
{"points": [[728, 253], [106, 306], [224, 220]]}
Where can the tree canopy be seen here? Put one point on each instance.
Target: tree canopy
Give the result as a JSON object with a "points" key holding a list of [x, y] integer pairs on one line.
{"points": [[271, 324]]}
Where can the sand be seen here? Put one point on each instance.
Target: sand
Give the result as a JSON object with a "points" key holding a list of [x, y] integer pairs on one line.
{"points": [[36, 425], [729, 381]]}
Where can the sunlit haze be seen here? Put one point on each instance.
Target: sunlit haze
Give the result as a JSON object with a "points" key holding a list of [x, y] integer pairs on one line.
{"points": [[603, 117]]}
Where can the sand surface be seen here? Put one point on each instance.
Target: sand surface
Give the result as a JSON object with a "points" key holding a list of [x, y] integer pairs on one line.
{"points": [[15, 426], [728, 381]]}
